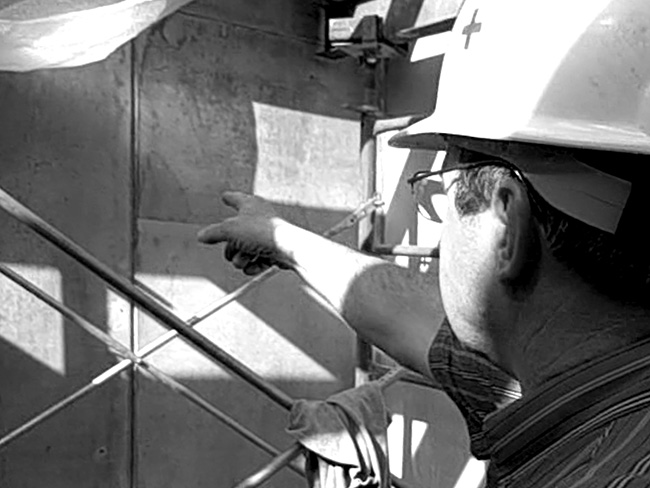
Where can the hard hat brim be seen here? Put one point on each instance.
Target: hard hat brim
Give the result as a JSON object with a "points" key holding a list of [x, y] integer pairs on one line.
{"points": [[577, 189], [429, 134]]}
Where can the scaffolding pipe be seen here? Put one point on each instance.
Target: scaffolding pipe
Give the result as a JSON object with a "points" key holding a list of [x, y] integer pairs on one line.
{"points": [[401, 250], [122, 351], [156, 344], [151, 306], [144, 301], [273, 467], [281, 460], [213, 308], [123, 365], [201, 402]]}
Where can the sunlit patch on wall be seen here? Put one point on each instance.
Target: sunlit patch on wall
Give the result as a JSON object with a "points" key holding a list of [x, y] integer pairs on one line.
{"points": [[307, 159], [27, 323], [235, 329]]}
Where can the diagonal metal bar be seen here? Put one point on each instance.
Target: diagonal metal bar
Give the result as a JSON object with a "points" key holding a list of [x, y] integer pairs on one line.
{"points": [[47, 413], [140, 298], [121, 350], [201, 402], [281, 460], [362, 211], [286, 458], [271, 468], [151, 306], [115, 346]]}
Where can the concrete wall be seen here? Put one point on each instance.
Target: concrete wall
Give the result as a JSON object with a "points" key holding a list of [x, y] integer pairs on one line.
{"points": [[233, 97], [129, 158], [65, 152]]}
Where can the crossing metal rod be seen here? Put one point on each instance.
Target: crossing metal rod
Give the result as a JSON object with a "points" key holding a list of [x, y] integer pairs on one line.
{"points": [[286, 458], [47, 413], [123, 365], [140, 298], [281, 460], [150, 306], [360, 212], [115, 346], [122, 351], [273, 467], [20, 212], [198, 400]]}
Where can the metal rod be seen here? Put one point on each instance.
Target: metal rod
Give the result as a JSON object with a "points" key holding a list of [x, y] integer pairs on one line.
{"points": [[114, 345], [123, 365], [360, 212], [278, 463], [144, 301], [401, 250], [45, 414], [367, 232], [201, 402], [149, 304], [273, 467], [121, 350], [286, 458]]}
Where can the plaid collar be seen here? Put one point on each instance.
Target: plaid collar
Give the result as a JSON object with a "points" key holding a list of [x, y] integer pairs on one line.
{"points": [[568, 406]]}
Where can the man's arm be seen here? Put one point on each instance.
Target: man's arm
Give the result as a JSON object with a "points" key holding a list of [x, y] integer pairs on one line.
{"points": [[396, 309]]}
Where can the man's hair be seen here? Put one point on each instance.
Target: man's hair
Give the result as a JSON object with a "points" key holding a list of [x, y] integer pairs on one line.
{"points": [[617, 265]]}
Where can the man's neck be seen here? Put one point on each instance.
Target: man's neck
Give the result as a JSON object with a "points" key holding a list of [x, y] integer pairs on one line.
{"points": [[567, 326]]}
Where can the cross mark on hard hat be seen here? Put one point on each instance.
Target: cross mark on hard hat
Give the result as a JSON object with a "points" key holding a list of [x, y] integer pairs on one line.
{"points": [[472, 28]]}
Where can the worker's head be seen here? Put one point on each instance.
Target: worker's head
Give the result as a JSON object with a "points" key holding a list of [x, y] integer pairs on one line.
{"points": [[556, 199], [546, 107]]}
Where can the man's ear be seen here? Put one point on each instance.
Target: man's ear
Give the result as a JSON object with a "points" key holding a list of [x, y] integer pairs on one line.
{"points": [[517, 244]]}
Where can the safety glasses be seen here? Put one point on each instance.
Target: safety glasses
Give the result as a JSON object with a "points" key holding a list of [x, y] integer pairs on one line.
{"points": [[429, 193]]}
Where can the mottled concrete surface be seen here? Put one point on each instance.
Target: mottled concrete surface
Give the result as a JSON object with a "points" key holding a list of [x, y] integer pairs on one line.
{"points": [[129, 157], [65, 152]]}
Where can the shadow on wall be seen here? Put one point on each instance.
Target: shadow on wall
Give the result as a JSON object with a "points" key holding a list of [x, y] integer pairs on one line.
{"points": [[202, 85], [217, 113]]}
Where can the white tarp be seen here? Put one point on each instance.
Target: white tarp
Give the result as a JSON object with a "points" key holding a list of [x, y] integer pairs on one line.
{"points": [[37, 34]]}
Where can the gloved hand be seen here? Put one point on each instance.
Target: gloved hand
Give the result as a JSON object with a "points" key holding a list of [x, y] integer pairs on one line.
{"points": [[251, 235]]}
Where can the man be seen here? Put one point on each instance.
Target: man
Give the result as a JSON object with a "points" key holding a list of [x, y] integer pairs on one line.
{"points": [[544, 113]]}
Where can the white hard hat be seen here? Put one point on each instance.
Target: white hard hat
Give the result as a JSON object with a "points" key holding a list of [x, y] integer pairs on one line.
{"points": [[554, 72], [567, 73]]}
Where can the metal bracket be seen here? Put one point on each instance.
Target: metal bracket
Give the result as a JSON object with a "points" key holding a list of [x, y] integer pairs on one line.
{"points": [[361, 39]]}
